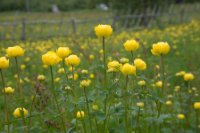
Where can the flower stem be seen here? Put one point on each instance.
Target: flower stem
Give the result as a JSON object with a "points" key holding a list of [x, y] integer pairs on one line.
{"points": [[126, 105], [18, 79], [197, 120], [31, 109], [163, 73], [88, 110], [63, 63], [5, 104], [56, 100]]}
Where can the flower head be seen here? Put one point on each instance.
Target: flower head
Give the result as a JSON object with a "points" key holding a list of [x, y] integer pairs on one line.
{"points": [[197, 105], [160, 48], [80, 114], [8, 90], [4, 63], [140, 104], [131, 45], [85, 83], [103, 30], [72, 60], [141, 83], [14, 51], [140, 64], [188, 76], [20, 112], [63, 52], [128, 69], [114, 66], [181, 116], [50, 58], [159, 84]]}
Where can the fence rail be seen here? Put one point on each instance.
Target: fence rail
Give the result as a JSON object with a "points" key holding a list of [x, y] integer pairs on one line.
{"points": [[35, 29]]}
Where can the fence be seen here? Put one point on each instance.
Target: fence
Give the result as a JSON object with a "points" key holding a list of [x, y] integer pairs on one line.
{"points": [[23, 30]]}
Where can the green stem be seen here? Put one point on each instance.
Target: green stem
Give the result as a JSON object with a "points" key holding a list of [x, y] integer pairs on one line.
{"points": [[96, 124], [63, 63], [18, 79], [88, 110], [126, 105], [104, 62], [56, 100], [197, 120], [138, 118], [31, 109], [132, 56], [163, 73], [5, 103]]}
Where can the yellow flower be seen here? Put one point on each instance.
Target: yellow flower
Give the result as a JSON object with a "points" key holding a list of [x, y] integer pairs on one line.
{"points": [[181, 116], [14, 51], [22, 66], [85, 83], [181, 73], [20, 112], [197, 105], [8, 90], [131, 45], [160, 48], [140, 64], [188, 76], [80, 114], [95, 107], [72, 60], [84, 71], [41, 77], [4, 63], [169, 103], [128, 69], [140, 104], [63, 52], [159, 84], [61, 70], [114, 66], [103, 30], [91, 57], [92, 76], [57, 79], [50, 58], [75, 76], [141, 83], [124, 60]]}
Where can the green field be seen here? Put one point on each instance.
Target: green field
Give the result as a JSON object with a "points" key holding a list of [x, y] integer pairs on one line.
{"points": [[119, 105]]}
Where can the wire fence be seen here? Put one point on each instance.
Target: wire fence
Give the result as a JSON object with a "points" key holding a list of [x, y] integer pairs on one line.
{"points": [[38, 29]]}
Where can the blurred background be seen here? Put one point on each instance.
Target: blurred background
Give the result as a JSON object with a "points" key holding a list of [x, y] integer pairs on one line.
{"points": [[34, 19]]}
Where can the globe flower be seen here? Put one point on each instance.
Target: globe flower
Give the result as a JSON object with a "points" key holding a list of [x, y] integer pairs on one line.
{"points": [[141, 83], [41, 77], [14, 51], [95, 107], [61, 70], [181, 73], [50, 58], [159, 84], [114, 66], [8, 90], [63, 52], [20, 112], [197, 105], [188, 76], [103, 30], [181, 116], [131, 45], [169, 103], [140, 64], [160, 48], [85, 83], [124, 60], [128, 69], [84, 71], [4, 63], [80, 114], [140, 104], [72, 60]]}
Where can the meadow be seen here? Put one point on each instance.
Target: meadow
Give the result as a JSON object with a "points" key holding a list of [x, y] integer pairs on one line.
{"points": [[144, 81]]}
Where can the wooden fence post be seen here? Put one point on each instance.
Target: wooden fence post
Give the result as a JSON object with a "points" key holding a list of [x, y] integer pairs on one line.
{"points": [[23, 32], [73, 22]]}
